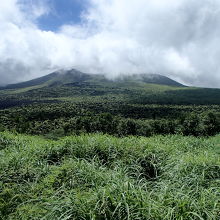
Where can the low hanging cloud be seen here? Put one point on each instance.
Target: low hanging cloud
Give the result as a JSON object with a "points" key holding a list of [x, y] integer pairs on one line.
{"points": [[179, 39]]}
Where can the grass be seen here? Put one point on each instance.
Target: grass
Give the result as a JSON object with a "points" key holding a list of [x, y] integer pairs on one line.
{"points": [[103, 177]]}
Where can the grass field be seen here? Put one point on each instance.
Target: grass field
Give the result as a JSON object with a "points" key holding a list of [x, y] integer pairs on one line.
{"points": [[103, 177]]}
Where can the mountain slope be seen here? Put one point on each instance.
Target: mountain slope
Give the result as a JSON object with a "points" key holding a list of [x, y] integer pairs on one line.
{"points": [[74, 77], [52, 78], [75, 86], [153, 79]]}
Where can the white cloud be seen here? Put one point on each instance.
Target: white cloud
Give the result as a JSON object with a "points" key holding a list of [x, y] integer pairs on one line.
{"points": [[179, 39]]}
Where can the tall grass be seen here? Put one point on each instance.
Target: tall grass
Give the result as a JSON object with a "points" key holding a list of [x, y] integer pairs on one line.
{"points": [[103, 177]]}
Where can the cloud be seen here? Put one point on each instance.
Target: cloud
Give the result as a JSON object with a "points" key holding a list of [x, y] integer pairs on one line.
{"points": [[179, 39]]}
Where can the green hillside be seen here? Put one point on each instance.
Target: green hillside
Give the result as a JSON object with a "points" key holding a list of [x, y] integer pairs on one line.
{"points": [[136, 89], [75, 77], [73, 102], [74, 85]]}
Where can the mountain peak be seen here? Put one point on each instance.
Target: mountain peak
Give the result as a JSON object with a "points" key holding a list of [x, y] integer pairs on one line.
{"points": [[64, 77]]}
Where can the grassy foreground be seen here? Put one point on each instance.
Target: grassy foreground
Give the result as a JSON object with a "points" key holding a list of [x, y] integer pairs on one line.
{"points": [[103, 177]]}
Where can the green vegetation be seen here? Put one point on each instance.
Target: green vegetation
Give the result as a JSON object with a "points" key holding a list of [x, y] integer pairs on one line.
{"points": [[61, 119], [118, 108], [104, 177], [76, 146]]}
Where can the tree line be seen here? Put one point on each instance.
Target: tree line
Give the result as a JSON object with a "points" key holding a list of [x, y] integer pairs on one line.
{"points": [[206, 123]]}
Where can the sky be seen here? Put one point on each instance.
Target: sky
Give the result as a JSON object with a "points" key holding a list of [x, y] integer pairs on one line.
{"points": [[61, 12], [179, 39]]}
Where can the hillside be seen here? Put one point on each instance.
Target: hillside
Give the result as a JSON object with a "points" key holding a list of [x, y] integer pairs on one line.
{"points": [[73, 103], [74, 85], [74, 77]]}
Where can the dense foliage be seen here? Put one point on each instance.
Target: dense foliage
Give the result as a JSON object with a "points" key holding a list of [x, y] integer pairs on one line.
{"points": [[64, 118]]}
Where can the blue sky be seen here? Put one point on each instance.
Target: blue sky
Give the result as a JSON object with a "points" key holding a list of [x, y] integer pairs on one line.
{"points": [[62, 12]]}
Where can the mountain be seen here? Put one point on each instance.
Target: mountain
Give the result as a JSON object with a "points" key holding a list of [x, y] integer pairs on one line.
{"points": [[152, 78], [75, 77], [76, 86]]}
